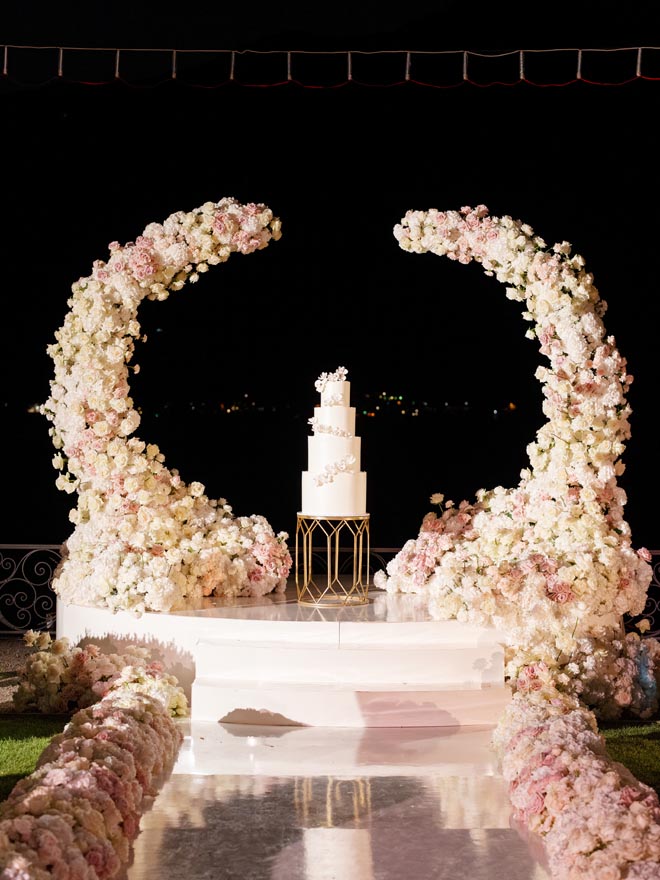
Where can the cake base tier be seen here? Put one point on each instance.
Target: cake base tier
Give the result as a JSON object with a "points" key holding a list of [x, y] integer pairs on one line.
{"points": [[345, 496], [273, 661]]}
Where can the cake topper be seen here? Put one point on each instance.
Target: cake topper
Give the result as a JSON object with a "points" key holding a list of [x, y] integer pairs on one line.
{"points": [[339, 375]]}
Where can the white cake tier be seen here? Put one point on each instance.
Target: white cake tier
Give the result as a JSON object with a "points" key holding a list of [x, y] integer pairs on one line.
{"points": [[326, 450], [346, 495], [336, 394], [341, 418]]}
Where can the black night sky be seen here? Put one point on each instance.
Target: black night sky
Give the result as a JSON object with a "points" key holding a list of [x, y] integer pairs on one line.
{"points": [[85, 165]]}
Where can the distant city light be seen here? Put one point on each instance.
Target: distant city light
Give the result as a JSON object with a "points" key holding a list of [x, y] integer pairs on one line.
{"points": [[388, 406]]}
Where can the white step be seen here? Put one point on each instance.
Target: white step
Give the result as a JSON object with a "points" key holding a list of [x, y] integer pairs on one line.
{"points": [[216, 749], [400, 665], [341, 705]]}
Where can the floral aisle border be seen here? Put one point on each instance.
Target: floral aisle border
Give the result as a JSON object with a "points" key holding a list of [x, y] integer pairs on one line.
{"points": [[596, 820], [143, 539], [550, 563], [78, 813]]}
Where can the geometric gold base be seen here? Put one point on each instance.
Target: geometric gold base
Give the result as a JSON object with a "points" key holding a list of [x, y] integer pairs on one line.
{"points": [[328, 587]]}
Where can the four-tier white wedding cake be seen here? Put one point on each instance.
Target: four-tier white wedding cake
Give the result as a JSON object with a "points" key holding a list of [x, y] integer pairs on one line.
{"points": [[333, 484]]}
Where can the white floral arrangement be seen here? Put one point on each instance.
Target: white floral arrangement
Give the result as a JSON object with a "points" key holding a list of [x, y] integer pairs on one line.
{"points": [[339, 375], [596, 820], [79, 812], [143, 539], [319, 428], [343, 465], [550, 563], [57, 677]]}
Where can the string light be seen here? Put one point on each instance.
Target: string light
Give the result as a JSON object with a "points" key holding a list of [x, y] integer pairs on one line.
{"points": [[642, 54]]}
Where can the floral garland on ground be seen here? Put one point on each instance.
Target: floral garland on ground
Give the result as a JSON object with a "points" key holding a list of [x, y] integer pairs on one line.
{"points": [[143, 539], [59, 678], [596, 820], [550, 563], [77, 815]]}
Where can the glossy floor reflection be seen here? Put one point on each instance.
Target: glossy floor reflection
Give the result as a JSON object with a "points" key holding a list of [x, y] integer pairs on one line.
{"points": [[333, 804]]}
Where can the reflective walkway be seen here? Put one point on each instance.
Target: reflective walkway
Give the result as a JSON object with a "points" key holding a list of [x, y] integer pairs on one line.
{"points": [[281, 803]]}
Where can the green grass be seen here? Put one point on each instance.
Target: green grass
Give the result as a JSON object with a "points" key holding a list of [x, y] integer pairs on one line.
{"points": [[636, 745], [22, 739]]}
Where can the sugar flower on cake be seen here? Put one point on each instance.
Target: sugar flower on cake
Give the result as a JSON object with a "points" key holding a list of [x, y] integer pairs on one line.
{"points": [[341, 466], [319, 428], [339, 375], [143, 539]]}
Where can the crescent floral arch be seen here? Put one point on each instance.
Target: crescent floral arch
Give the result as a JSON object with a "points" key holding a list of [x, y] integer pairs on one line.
{"points": [[144, 540], [549, 561]]}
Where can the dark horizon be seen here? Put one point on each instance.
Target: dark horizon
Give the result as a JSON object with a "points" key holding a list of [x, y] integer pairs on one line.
{"points": [[255, 461], [340, 168]]}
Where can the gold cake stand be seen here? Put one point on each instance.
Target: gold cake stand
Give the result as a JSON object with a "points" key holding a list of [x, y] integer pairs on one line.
{"points": [[332, 587]]}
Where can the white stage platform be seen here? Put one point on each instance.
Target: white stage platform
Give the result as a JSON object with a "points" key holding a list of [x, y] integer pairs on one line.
{"points": [[272, 662]]}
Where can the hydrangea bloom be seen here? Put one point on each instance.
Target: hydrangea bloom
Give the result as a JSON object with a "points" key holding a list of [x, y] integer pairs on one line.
{"points": [[550, 563], [143, 539], [59, 678], [78, 813]]}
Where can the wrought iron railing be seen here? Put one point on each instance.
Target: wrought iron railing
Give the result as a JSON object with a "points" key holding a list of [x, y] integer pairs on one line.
{"points": [[651, 610], [27, 600]]}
